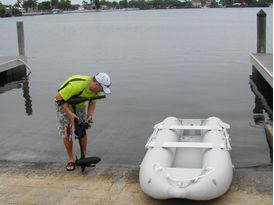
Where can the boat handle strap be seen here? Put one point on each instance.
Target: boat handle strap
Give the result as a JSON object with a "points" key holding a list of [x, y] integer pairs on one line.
{"points": [[183, 183]]}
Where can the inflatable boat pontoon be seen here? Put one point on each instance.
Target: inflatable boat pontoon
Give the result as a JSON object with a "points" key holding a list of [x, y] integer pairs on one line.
{"points": [[187, 158]]}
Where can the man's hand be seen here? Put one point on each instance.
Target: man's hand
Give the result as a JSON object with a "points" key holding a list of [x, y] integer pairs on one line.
{"points": [[71, 117], [89, 119], [70, 114]]}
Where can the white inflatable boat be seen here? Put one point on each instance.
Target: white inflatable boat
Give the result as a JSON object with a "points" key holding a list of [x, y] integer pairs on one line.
{"points": [[187, 158]]}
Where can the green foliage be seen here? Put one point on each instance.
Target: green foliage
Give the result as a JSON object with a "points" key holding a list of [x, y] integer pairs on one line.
{"points": [[97, 4], [54, 4], [141, 4], [19, 3], [123, 4], [44, 6], [15, 11], [2, 10], [64, 4], [6, 11], [247, 3], [158, 4], [27, 4], [75, 6]]}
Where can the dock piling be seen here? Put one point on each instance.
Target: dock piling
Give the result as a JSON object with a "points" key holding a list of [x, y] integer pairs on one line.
{"points": [[261, 31], [20, 37]]}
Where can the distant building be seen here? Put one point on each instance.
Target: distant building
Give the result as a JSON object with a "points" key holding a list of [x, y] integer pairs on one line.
{"points": [[57, 11], [22, 10], [196, 3], [81, 7]]}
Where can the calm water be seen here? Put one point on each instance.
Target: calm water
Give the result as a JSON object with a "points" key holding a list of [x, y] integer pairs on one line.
{"points": [[191, 63]]}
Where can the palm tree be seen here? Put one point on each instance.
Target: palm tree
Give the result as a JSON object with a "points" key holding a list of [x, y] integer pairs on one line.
{"points": [[27, 4]]}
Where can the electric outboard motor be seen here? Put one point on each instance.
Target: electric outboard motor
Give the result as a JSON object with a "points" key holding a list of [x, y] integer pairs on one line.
{"points": [[80, 131]]}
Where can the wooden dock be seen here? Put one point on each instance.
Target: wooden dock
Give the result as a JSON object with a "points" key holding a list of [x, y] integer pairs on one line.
{"points": [[9, 62], [263, 62]]}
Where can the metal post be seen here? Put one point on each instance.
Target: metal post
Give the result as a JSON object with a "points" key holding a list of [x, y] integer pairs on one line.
{"points": [[261, 31], [20, 37]]}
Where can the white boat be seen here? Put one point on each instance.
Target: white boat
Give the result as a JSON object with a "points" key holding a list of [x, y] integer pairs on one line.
{"points": [[187, 158]]}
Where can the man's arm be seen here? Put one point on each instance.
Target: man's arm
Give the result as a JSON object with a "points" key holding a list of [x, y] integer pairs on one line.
{"points": [[91, 108], [65, 107]]}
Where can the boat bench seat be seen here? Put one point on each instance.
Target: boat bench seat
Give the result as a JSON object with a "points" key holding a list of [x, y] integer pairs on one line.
{"points": [[187, 127], [187, 145]]}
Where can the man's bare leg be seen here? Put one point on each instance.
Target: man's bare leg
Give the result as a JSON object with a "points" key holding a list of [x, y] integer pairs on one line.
{"points": [[69, 147]]}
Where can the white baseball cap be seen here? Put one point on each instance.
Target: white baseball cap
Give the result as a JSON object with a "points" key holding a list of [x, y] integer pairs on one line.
{"points": [[104, 80]]}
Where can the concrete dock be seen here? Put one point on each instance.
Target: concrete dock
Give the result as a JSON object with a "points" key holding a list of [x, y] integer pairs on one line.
{"points": [[49, 183]]}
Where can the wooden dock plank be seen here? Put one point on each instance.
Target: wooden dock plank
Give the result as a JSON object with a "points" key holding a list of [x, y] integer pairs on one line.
{"points": [[263, 62]]}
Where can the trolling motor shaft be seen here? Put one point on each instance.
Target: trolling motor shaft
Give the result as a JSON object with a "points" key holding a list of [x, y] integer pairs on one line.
{"points": [[80, 132]]}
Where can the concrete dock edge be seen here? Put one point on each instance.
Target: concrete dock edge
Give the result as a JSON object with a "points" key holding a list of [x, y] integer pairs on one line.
{"points": [[49, 183]]}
